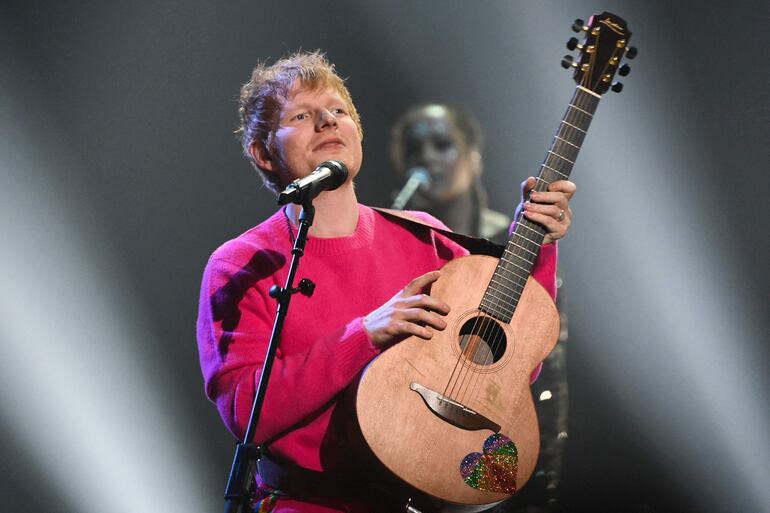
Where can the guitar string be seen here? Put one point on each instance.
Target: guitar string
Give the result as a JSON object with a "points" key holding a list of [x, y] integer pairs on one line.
{"points": [[485, 340], [493, 343], [465, 364], [496, 342], [543, 181], [468, 349], [495, 346], [493, 336], [479, 334], [488, 323], [481, 341], [460, 361]]}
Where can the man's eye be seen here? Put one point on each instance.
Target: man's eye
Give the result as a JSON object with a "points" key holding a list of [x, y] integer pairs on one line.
{"points": [[339, 110], [300, 117]]}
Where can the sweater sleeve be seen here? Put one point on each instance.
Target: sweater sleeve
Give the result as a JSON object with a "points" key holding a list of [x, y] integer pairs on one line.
{"points": [[235, 320], [544, 270]]}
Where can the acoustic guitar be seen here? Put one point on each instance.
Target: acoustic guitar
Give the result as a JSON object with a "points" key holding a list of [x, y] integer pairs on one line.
{"points": [[453, 417]]}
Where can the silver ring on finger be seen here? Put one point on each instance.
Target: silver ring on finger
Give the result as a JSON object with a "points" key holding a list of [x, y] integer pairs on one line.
{"points": [[560, 217]]}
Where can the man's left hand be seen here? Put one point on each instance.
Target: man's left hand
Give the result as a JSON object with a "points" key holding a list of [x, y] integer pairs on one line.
{"points": [[549, 208]]}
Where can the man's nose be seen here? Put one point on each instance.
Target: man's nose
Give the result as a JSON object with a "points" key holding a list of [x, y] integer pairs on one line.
{"points": [[326, 119]]}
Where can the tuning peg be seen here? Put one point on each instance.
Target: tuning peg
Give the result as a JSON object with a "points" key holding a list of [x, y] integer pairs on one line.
{"points": [[617, 87], [631, 52], [568, 62], [573, 43], [624, 70], [578, 25]]}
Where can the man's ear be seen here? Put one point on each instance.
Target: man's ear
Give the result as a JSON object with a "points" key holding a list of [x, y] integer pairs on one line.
{"points": [[261, 156]]}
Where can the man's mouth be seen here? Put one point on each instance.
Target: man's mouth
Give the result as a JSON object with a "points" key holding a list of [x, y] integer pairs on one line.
{"points": [[330, 143]]}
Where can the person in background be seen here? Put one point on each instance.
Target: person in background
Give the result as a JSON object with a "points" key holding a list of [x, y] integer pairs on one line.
{"points": [[446, 142]]}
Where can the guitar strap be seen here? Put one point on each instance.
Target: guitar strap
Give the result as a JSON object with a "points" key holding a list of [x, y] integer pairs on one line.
{"points": [[476, 245]]}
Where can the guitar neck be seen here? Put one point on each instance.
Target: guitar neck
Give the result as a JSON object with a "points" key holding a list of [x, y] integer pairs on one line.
{"points": [[504, 291]]}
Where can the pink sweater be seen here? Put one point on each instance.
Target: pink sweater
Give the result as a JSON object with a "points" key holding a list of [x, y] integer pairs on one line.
{"points": [[324, 346]]}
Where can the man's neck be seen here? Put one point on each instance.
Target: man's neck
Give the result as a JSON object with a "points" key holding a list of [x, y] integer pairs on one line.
{"points": [[336, 213]]}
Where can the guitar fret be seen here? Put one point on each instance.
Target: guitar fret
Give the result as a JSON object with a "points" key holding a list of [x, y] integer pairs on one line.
{"points": [[510, 277], [511, 253], [530, 228], [572, 134], [528, 239], [578, 118], [496, 304], [525, 249], [500, 316], [561, 157], [581, 110], [573, 126], [497, 290], [526, 261], [555, 171], [588, 91], [558, 164], [514, 282], [516, 270], [566, 141], [561, 147], [506, 308], [515, 274], [526, 271]]}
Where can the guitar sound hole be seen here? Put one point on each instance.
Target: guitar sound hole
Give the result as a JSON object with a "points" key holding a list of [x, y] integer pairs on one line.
{"points": [[482, 340]]}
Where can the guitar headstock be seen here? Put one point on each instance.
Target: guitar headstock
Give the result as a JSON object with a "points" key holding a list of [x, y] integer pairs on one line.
{"points": [[601, 52]]}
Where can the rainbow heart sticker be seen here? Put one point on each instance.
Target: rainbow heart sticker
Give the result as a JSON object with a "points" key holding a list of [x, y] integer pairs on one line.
{"points": [[495, 469]]}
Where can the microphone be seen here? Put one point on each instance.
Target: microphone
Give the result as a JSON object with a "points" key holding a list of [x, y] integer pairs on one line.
{"points": [[418, 176], [327, 176]]}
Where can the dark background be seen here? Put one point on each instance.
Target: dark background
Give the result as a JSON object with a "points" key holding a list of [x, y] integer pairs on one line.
{"points": [[121, 175]]}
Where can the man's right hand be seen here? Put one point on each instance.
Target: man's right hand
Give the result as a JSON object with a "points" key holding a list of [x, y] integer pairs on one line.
{"points": [[409, 312]]}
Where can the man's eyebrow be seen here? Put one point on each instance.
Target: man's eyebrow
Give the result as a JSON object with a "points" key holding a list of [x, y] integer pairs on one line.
{"points": [[304, 105]]}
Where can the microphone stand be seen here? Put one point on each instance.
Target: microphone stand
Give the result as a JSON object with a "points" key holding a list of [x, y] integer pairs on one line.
{"points": [[240, 489]]}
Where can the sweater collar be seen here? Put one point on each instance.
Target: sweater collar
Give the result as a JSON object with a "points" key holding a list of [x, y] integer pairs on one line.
{"points": [[361, 237]]}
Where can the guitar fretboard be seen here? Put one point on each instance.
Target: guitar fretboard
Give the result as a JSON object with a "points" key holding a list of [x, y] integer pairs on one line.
{"points": [[504, 291]]}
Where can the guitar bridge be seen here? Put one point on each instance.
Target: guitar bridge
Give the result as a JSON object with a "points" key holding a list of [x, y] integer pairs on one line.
{"points": [[454, 412]]}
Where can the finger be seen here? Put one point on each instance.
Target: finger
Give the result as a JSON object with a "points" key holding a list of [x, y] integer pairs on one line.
{"points": [[401, 328], [558, 192], [425, 301], [422, 317], [540, 218], [419, 283], [564, 186], [555, 229], [552, 210], [549, 198], [526, 186]]}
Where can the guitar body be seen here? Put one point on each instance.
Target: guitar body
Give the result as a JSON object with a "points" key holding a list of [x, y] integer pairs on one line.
{"points": [[424, 448]]}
